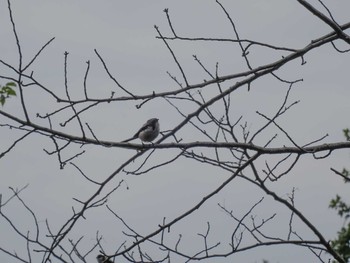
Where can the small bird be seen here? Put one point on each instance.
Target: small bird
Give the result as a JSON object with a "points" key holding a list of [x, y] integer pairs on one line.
{"points": [[103, 259], [148, 132]]}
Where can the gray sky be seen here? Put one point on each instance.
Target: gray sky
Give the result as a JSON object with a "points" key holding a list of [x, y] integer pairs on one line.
{"points": [[123, 33]]}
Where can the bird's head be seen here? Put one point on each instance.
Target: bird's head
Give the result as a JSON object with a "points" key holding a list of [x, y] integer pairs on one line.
{"points": [[152, 121]]}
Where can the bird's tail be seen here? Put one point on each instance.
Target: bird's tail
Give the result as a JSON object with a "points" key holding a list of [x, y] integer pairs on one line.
{"points": [[130, 139]]}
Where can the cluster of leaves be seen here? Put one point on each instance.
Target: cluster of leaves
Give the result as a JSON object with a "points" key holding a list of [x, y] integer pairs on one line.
{"points": [[338, 204], [342, 243], [6, 92]]}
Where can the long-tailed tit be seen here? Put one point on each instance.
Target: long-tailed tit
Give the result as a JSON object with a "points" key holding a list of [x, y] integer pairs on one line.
{"points": [[103, 259], [148, 132]]}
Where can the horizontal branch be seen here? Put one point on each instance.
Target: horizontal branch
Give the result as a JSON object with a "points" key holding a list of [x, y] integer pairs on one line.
{"points": [[244, 146], [229, 145]]}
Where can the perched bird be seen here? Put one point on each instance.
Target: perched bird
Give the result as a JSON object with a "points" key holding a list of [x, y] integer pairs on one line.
{"points": [[148, 132], [103, 259]]}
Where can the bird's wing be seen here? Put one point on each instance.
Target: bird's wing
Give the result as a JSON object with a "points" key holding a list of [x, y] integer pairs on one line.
{"points": [[147, 125], [143, 128], [136, 135]]}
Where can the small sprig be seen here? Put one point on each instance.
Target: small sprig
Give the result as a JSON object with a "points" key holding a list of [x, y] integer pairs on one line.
{"points": [[6, 92]]}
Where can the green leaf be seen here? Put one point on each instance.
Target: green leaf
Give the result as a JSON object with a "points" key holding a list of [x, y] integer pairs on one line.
{"points": [[2, 100], [11, 84], [6, 92], [11, 92], [347, 134]]}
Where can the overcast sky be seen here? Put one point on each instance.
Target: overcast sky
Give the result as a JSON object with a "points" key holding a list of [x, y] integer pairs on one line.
{"points": [[123, 33]]}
